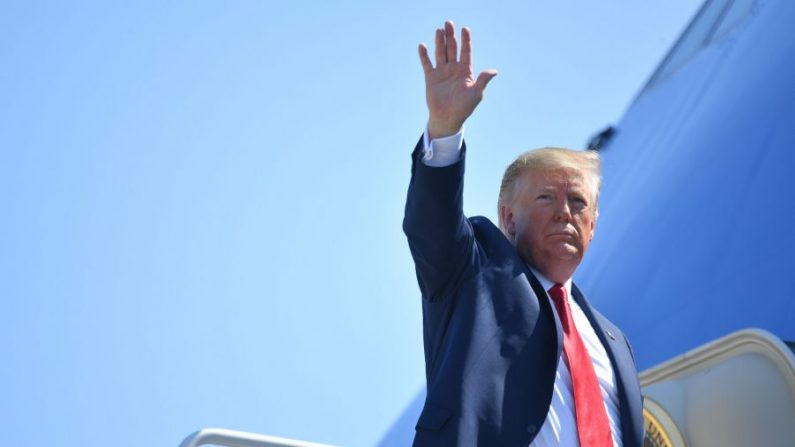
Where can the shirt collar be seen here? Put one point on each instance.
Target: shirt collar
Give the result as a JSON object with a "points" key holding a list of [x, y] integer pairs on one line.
{"points": [[547, 284]]}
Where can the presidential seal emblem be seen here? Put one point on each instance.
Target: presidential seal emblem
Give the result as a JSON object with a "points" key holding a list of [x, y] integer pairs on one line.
{"points": [[661, 430]]}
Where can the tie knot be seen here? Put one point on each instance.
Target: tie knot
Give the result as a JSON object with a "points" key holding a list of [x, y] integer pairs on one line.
{"points": [[558, 293]]}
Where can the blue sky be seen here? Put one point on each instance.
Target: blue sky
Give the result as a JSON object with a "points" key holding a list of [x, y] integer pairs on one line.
{"points": [[202, 200]]}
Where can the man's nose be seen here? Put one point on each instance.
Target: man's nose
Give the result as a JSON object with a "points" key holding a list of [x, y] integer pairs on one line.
{"points": [[563, 211]]}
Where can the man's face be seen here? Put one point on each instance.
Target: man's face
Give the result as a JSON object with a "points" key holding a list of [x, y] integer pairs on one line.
{"points": [[551, 220]]}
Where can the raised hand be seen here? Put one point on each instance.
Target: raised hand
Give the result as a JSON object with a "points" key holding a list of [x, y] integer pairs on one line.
{"points": [[452, 93]]}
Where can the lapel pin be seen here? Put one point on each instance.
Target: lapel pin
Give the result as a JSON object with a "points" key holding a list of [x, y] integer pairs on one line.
{"points": [[610, 334]]}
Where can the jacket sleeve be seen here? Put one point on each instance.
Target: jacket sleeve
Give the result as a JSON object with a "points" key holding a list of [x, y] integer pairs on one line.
{"points": [[440, 237]]}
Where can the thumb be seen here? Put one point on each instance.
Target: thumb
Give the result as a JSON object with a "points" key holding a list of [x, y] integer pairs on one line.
{"points": [[484, 78]]}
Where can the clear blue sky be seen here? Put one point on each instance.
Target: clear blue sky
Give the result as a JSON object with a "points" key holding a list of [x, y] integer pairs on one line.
{"points": [[201, 200]]}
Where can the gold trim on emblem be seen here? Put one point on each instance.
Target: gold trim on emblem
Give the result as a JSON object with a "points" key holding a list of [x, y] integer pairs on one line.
{"points": [[661, 430]]}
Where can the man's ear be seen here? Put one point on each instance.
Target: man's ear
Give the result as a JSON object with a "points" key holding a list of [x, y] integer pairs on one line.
{"points": [[507, 222]]}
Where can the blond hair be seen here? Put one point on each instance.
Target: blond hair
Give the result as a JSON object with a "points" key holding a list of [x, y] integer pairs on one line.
{"points": [[545, 158]]}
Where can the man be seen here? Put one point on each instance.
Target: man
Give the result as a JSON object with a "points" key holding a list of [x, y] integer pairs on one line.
{"points": [[514, 353]]}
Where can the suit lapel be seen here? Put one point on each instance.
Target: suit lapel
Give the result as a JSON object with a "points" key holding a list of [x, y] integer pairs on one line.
{"points": [[601, 326], [546, 305]]}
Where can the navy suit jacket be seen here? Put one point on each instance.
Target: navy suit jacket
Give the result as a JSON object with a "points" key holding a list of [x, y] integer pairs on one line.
{"points": [[492, 338]]}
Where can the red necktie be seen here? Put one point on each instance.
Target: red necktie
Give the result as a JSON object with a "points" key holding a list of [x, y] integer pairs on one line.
{"points": [[593, 427]]}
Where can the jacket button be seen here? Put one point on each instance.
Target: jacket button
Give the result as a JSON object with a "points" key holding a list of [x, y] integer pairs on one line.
{"points": [[532, 429]]}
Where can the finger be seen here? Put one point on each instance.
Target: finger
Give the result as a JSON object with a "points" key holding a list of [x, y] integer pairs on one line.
{"points": [[452, 43], [424, 59], [466, 46], [484, 78], [441, 55]]}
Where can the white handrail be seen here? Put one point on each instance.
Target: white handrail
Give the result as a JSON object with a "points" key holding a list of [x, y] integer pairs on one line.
{"points": [[232, 438]]}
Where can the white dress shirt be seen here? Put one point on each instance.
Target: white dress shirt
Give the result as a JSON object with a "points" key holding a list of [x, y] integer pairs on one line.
{"points": [[560, 426]]}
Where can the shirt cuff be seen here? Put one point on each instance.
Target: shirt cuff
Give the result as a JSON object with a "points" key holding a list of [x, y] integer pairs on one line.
{"points": [[441, 152]]}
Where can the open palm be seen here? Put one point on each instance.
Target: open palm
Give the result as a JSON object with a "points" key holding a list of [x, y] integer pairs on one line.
{"points": [[451, 91]]}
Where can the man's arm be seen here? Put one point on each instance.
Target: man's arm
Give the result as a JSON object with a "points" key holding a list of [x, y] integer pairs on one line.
{"points": [[440, 237]]}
